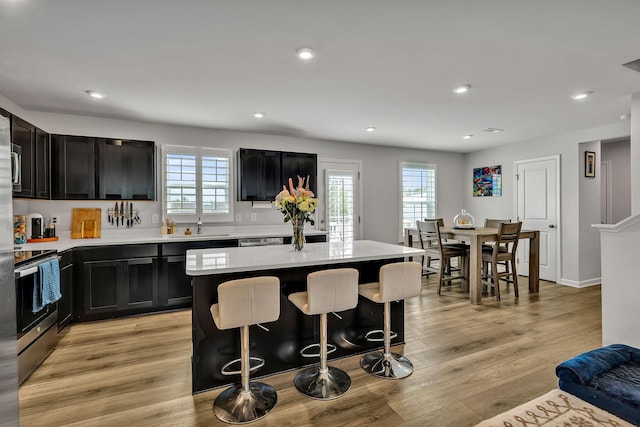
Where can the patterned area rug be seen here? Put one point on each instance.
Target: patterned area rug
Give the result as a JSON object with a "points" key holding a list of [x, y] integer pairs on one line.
{"points": [[556, 408]]}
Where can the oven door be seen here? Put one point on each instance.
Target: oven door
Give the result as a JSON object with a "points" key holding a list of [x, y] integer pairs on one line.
{"points": [[25, 317]]}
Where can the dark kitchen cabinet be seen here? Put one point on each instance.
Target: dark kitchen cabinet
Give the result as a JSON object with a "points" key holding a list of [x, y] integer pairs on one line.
{"points": [[23, 134], [259, 175], [43, 165], [117, 280], [65, 304], [175, 285], [73, 168], [126, 169], [303, 165]]}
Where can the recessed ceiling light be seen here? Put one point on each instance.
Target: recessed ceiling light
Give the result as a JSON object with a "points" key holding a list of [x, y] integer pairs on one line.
{"points": [[625, 116], [305, 53], [467, 136], [581, 95], [94, 94], [258, 115], [492, 130], [462, 89], [370, 129]]}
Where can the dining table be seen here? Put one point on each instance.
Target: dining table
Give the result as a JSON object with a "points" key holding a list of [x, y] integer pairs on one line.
{"points": [[475, 237]]}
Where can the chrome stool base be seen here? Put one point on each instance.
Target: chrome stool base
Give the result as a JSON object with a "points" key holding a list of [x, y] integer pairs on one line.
{"points": [[238, 406], [387, 365], [323, 385]]}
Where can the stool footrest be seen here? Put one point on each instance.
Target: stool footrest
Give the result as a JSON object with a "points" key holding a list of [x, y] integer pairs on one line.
{"points": [[369, 338], [330, 349], [259, 363]]}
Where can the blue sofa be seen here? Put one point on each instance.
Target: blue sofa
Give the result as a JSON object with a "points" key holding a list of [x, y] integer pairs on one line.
{"points": [[608, 378]]}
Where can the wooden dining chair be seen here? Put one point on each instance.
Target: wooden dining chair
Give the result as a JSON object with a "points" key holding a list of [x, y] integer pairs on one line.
{"points": [[504, 250], [435, 248], [494, 223]]}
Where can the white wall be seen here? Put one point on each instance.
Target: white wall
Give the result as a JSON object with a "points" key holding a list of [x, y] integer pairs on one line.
{"points": [[380, 214], [635, 153], [588, 214], [566, 145], [618, 153]]}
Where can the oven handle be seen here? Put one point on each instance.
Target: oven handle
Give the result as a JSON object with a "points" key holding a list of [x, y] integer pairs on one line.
{"points": [[28, 271]]}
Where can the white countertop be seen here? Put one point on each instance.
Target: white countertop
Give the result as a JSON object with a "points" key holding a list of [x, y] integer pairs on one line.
{"points": [[151, 235], [202, 262]]}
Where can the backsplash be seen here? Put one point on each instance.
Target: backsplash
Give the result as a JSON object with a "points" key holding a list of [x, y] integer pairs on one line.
{"points": [[147, 210]]}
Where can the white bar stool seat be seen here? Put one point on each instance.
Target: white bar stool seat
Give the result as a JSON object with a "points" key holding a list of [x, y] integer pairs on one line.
{"points": [[397, 281], [241, 303], [327, 291]]}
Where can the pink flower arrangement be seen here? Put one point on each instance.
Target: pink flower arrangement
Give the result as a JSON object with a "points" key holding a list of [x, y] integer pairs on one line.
{"points": [[297, 203]]}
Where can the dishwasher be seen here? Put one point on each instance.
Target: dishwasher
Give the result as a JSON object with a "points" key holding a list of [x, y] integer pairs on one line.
{"points": [[260, 241]]}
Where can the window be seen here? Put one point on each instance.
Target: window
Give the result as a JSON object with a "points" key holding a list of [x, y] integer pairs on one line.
{"points": [[340, 204], [417, 192], [197, 184]]}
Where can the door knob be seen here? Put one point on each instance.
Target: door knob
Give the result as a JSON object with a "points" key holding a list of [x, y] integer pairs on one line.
{"points": [[552, 226]]}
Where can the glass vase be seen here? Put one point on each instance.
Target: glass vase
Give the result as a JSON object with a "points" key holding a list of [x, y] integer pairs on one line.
{"points": [[298, 235]]}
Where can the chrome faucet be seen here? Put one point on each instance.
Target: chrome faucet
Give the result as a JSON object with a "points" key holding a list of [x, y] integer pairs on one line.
{"points": [[199, 224]]}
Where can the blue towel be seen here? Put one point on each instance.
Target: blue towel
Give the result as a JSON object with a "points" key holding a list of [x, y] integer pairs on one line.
{"points": [[47, 290]]}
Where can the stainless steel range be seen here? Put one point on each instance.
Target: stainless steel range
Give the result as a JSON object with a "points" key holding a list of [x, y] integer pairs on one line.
{"points": [[36, 330]]}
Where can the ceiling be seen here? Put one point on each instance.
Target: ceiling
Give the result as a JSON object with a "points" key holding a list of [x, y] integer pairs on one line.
{"points": [[381, 63]]}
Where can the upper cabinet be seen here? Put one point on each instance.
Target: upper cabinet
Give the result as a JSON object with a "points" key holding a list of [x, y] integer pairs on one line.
{"points": [[34, 149], [262, 173], [301, 165], [102, 169], [259, 174], [126, 169]]}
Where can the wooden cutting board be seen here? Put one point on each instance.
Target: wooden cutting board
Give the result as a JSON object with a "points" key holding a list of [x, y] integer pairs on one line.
{"points": [[86, 223]]}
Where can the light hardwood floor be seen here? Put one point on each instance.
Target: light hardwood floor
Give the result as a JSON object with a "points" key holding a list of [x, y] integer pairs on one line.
{"points": [[471, 362]]}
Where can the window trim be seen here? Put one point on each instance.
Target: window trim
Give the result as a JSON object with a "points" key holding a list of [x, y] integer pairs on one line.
{"points": [[401, 167], [199, 152]]}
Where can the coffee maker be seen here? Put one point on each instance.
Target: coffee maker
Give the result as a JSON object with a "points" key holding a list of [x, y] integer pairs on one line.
{"points": [[35, 225]]}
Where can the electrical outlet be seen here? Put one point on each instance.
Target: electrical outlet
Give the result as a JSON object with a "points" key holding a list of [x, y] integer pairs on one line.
{"points": [[55, 218], [254, 217], [238, 217], [155, 218]]}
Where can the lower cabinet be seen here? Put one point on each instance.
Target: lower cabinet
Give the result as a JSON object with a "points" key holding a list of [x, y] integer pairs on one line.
{"points": [[116, 281], [65, 304]]}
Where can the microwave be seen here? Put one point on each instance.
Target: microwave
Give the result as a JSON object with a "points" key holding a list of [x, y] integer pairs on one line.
{"points": [[16, 167]]}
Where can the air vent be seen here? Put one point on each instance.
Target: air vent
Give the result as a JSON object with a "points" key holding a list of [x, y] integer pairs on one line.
{"points": [[634, 65], [492, 130]]}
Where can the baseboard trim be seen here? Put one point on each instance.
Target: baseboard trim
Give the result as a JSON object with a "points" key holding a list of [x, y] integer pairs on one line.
{"points": [[580, 284]]}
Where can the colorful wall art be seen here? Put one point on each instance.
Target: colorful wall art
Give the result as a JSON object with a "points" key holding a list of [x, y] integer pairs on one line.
{"points": [[487, 181]]}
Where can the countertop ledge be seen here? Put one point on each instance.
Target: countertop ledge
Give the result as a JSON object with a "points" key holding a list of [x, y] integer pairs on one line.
{"points": [[152, 235]]}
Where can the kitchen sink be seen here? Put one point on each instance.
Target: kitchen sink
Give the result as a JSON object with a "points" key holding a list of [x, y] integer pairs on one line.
{"points": [[197, 236]]}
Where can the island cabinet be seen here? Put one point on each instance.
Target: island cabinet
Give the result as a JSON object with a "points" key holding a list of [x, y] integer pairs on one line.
{"points": [[117, 281], [65, 304], [175, 286]]}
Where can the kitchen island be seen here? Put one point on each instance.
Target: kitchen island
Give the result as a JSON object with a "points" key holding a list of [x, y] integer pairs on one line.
{"points": [[280, 346]]}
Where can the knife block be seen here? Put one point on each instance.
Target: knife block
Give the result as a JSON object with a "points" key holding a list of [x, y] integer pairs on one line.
{"points": [[86, 223]]}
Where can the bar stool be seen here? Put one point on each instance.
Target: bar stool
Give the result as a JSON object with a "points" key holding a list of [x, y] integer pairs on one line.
{"points": [[398, 281], [327, 291], [242, 303]]}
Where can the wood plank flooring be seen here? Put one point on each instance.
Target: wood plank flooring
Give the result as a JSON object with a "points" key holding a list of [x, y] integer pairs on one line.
{"points": [[471, 363]]}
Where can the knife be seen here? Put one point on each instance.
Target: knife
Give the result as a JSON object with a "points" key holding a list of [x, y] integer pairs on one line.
{"points": [[130, 214], [115, 214], [122, 213]]}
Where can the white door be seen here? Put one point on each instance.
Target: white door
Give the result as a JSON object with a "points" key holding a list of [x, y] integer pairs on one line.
{"points": [[339, 212], [538, 202]]}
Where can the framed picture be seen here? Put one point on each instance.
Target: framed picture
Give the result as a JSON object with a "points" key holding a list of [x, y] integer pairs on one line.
{"points": [[590, 164], [487, 181]]}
